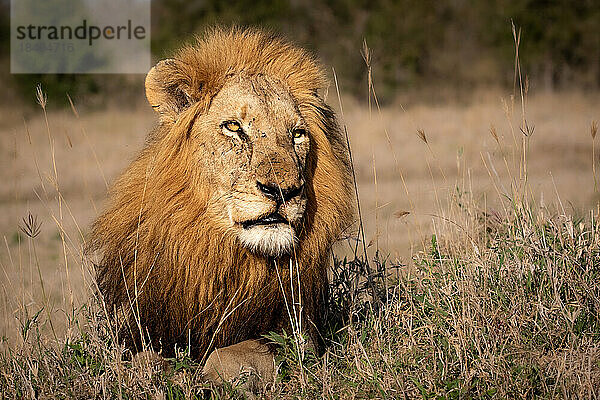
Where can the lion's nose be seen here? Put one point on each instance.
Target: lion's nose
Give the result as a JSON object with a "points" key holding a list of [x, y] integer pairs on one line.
{"points": [[277, 193]]}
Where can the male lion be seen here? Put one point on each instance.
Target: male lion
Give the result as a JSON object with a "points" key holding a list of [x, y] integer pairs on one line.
{"points": [[233, 204]]}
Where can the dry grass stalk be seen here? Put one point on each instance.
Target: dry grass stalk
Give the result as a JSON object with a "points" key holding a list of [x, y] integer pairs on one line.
{"points": [[593, 132]]}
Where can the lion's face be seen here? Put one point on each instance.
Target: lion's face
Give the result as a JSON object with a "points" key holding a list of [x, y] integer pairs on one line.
{"points": [[254, 144]]}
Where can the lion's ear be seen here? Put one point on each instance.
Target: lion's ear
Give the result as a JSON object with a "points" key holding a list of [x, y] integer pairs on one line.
{"points": [[166, 88]]}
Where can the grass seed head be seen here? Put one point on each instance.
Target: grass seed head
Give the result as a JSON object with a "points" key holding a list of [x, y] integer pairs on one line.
{"points": [[421, 134], [494, 133], [401, 213], [40, 96], [31, 226]]}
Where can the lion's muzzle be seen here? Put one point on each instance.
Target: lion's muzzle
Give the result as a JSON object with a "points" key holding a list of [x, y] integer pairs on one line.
{"points": [[273, 233]]}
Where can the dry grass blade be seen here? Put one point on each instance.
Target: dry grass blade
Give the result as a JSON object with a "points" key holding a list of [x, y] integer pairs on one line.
{"points": [[594, 129]]}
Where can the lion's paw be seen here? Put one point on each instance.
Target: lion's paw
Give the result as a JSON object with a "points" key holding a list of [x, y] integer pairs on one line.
{"points": [[249, 364]]}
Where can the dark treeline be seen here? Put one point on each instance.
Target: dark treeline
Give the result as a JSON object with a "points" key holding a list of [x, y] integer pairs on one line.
{"points": [[414, 44]]}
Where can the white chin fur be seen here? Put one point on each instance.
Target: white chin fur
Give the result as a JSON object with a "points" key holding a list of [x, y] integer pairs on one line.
{"points": [[269, 240]]}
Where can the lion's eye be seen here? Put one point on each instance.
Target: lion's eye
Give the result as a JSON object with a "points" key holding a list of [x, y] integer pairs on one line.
{"points": [[298, 134], [232, 126]]}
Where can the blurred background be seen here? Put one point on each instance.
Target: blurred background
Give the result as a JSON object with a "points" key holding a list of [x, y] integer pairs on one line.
{"points": [[419, 46], [453, 121]]}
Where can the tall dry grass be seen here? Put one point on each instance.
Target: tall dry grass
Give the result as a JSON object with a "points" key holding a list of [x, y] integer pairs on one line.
{"points": [[472, 272]]}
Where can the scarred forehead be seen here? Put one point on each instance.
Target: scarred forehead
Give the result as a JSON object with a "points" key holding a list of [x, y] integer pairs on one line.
{"points": [[256, 97]]}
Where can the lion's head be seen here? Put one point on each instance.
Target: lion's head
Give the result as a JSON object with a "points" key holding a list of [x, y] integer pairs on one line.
{"points": [[252, 145], [247, 168]]}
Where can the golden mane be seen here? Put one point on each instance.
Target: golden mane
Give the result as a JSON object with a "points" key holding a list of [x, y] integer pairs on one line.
{"points": [[162, 257]]}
